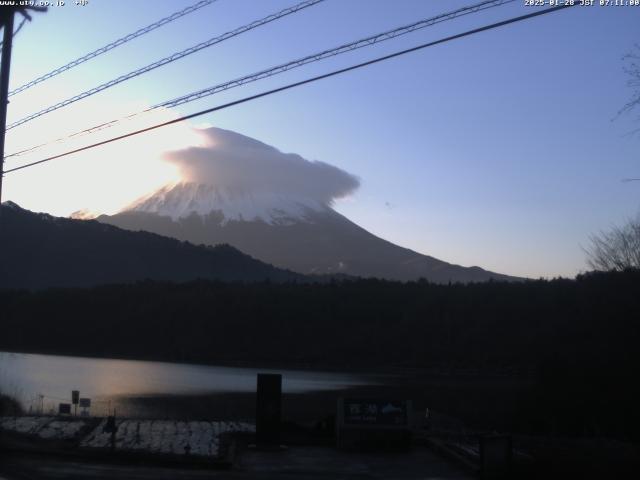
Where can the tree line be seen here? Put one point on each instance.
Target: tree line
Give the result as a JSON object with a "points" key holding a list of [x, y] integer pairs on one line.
{"points": [[578, 339]]}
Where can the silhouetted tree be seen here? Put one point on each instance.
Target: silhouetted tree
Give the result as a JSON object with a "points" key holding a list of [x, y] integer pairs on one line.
{"points": [[617, 249], [573, 343]]}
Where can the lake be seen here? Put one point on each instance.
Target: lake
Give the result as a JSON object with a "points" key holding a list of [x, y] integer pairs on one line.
{"points": [[40, 382]]}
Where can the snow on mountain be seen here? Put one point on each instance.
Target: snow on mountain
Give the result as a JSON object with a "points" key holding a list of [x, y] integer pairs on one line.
{"points": [[185, 199], [244, 179], [42, 251], [276, 207], [83, 214]]}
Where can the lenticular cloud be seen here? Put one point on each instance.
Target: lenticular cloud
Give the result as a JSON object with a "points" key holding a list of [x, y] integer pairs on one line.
{"points": [[234, 162]]}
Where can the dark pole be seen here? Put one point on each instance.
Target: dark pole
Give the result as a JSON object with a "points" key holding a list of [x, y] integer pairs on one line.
{"points": [[268, 410], [4, 86]]}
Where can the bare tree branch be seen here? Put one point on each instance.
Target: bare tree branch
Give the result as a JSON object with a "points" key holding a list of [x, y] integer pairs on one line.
{"points": [[616, 249], [632, 69]]}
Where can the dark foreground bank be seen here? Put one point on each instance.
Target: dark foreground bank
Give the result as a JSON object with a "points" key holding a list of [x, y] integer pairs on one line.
{"points": [[575, 339]]}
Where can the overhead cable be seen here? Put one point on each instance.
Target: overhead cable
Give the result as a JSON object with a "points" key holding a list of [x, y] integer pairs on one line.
{"points": [[296, 84], [112, 45], [364, 42], [167, 60]]}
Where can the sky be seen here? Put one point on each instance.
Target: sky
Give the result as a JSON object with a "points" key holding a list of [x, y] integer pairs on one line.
{"points": [[502, 149]]}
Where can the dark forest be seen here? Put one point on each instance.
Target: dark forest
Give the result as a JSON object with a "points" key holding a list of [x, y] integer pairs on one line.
{"points": [[577, 340]]}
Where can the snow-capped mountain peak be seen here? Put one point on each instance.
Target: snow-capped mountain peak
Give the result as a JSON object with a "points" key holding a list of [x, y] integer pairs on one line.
{"points": [[187, 198], [276, 207], [84, 214]]}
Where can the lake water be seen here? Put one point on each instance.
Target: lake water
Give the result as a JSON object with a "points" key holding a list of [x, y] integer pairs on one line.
{"points": [[40, 382]]}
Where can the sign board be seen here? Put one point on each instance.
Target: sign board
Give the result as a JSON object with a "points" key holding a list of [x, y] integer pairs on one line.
{"points": [[375, 412], [85, 403], [64, 409], [75, 396], [373, 423]]}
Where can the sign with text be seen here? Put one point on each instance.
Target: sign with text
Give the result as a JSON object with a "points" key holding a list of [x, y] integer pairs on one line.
{"points": [[64, 409], [85, 403], [75, 396], [375, 412], [373, 423]]}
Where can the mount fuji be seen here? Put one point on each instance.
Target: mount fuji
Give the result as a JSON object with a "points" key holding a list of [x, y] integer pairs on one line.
{"points": [[277, 208]]}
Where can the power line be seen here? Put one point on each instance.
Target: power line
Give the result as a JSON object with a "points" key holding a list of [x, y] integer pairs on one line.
{"points": [[365, 42], [333, 52], [20, 26], [114, 44], [7, 17], [17, 29], [169, 59], [22, 10], [297, 84]]}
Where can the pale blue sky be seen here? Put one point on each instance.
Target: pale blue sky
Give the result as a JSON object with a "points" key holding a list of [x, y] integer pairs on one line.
{"points": [[497, 150]]}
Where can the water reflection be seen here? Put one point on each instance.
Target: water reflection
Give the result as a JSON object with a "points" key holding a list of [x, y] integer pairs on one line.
{"points": [[30, 376]]}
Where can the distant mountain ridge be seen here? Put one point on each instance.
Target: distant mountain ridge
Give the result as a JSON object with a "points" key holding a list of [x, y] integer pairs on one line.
{"points": [[292, 233], [273, 206], [276, 207], [41, 251]]}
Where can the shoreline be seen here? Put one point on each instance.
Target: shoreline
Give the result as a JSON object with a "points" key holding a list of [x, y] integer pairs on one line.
{"points": [[354, 369]]}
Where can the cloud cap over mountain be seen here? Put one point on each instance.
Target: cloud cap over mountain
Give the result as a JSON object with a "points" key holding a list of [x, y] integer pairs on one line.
{"points": [[231, 161]]}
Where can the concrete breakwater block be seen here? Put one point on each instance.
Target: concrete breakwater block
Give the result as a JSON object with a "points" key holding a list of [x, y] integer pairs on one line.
{"points": [[47, 428], [165, 437]]}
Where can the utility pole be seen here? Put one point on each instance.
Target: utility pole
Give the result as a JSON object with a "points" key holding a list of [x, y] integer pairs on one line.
{"points": [[7, 23], [7, 15]]}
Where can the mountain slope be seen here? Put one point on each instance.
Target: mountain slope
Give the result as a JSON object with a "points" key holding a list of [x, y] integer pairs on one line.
{"points": [[40, 251], [306, 237]]}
